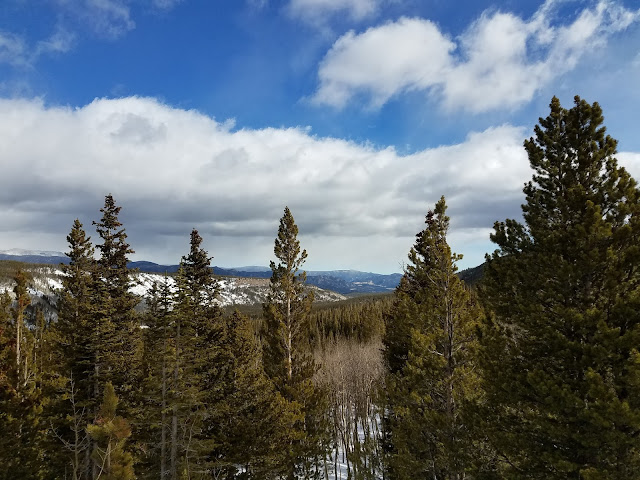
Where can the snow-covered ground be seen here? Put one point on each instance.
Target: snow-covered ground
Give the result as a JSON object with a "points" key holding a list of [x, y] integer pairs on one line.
{"points": [[232, 291]]}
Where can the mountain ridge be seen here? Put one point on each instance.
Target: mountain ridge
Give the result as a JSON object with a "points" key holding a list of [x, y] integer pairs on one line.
{"points": [[344, 281]]}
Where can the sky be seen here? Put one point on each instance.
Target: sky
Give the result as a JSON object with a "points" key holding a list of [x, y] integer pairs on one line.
{"points": [[356, 114]]}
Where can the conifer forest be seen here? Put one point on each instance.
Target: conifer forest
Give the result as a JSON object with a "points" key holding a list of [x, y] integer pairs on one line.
{"points": [[530, 372]]}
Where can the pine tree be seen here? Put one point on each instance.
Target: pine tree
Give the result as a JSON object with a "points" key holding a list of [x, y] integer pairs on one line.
{"points": [[560, 349], [157, 360], [287, 308], [8, 376], [119, 340], [23, 300], [6, 343], [287, 356], [197, 365], [21, 397], [75, 347], [110, 433], [251, 420], [429, 348], [207, 351]]}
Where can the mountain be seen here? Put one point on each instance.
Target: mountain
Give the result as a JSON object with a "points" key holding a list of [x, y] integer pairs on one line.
{"points": [[471, 276], [34, 256], [46, 280], [32, 253], [345, 282]]}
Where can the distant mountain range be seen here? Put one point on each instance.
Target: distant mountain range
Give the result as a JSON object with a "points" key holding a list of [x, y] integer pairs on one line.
{"points": [[341, 281], [344, 282], [34, 256]]}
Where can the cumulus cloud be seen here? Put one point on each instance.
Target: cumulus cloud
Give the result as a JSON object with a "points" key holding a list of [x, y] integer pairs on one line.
{"points": [[317, 11], [174, 169], [631, 161], [499, 61]]}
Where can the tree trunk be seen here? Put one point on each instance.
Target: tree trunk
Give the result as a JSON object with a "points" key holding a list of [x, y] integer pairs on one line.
{"points": [[18, 342], [289, 346]]}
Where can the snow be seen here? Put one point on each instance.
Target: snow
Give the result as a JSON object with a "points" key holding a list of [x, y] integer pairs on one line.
{"points": [[232, 291], [38, 253]]}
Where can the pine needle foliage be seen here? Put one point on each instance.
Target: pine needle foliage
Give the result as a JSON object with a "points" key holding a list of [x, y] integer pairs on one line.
{"points": [[429, 349], [110, 433], [560, 347], [119, 340], [287, 352], [75, 352]]}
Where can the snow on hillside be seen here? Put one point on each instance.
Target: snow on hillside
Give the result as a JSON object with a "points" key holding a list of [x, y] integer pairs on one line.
{"points": [[45, 280], [233, 291], [34, 253]]}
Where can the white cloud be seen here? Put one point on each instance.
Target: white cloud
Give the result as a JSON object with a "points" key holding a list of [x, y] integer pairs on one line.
{"points": [[172, 169], [631, 162], [500, 61], [13, 49], [384, 59], [257, 4], [61, 41], [165, 4], [16, 51], [108, 18], [317, 11]]}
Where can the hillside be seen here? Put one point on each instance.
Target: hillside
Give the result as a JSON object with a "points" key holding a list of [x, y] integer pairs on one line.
{"points": [[233, 291], [345, 282]]}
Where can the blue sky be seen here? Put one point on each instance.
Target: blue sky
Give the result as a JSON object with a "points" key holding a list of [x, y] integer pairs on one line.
{"points": [[358, 114]]}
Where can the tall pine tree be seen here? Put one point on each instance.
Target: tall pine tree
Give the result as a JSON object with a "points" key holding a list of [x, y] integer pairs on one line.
{"points": [[250, 419], [430, 343], [157, 361], [119, 339], [23, 426], [287, 351], [205, 350], [75, 347], [560, 349]]}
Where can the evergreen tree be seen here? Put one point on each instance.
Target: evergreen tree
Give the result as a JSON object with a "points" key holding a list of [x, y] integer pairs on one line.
{"points": [[198, 365], [287, 356], [6, 343], [21, 399], [119, 340], [110, 433], [23, 300], [560, 349], [8, 376], [75, 325], [251, 420], [157, 361], [75, 347], [429, 346], [287, 308], [208, 352]]}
